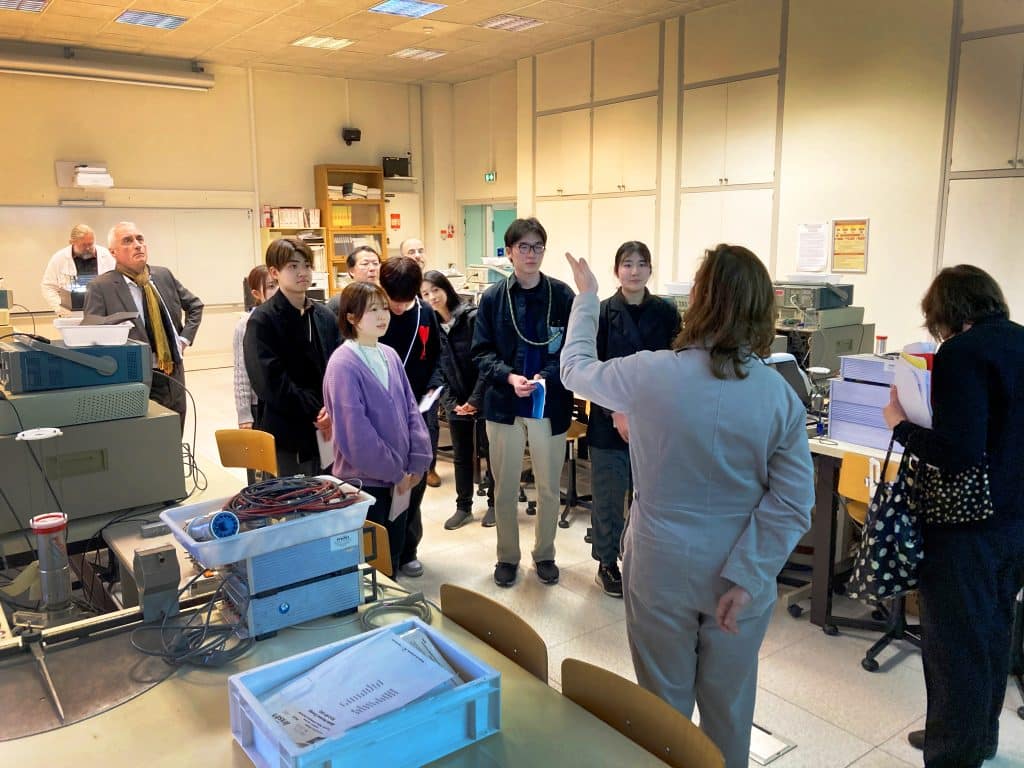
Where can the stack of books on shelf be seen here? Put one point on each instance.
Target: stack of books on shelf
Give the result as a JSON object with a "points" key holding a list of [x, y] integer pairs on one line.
{"points": [[353, 190], [372, 193], [294, 217], [335, 192]]}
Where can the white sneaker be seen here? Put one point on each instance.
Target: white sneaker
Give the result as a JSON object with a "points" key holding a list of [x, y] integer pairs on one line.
{"points": [[412, 569]]}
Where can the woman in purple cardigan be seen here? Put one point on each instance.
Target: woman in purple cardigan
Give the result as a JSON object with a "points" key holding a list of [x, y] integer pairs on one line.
{"points": [[379, 435]]}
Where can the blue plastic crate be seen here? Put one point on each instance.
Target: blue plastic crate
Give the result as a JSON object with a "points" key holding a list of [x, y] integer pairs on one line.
{"points": [[418, 733]]}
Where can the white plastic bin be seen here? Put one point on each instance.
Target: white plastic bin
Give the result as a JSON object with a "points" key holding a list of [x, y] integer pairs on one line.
{"points": [[418, 733], [246, 544], [77, 335]]}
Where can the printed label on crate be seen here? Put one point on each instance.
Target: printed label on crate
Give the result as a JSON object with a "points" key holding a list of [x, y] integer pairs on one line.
{"points": [[348, 540], [363, 682]]}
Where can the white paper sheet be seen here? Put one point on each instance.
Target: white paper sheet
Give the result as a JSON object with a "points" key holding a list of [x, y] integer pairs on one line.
{"points": [[429, 399], [363, 682], [914, 387], [812, 247], [399, 503], [326, 449]]}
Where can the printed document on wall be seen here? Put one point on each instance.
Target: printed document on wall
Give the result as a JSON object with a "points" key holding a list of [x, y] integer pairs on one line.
{"points": [[812, 247]]}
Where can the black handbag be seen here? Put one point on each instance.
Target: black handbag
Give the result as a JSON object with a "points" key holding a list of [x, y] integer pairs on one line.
{"points": [[890, 551], [955, 497]]}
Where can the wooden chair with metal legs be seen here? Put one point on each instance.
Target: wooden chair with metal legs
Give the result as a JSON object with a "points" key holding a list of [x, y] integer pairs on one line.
{"points": [[247, 449], [577, 432], [497, 626], [640, 716], [377, 547], [858, 475]]}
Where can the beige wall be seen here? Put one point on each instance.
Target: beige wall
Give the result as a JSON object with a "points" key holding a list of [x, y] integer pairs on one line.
{"points": [[150, 138], [298, 122], [864, 111], [485, 134]]}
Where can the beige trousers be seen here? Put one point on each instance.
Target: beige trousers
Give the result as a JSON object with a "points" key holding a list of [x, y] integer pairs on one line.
{"points": [[547, 455]]}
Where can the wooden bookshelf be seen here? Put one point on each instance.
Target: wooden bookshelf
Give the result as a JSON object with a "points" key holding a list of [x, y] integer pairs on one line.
{"points": [[352, 222], [270, 234]]}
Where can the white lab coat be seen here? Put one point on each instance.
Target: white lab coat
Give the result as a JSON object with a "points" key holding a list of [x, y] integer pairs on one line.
{"points": [[60, 273], [724, 488]]}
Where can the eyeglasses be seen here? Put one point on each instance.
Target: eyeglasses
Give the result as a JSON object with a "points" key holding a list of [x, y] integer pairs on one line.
{"points": [[524, 249]]}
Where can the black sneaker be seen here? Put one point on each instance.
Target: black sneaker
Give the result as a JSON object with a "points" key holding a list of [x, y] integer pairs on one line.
{"points": [[505, 574], [547, 571], [489, 521], [916, 740], [609, 579], [459, 519]]}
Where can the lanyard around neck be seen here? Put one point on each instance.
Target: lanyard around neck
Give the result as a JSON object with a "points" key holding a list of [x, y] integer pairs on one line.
{"points": [[415, 333], [515, 325]]}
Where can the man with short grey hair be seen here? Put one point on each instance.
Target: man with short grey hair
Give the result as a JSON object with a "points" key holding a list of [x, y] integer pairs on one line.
{"points": [[413, 248], [160, 301], [80, 258]]}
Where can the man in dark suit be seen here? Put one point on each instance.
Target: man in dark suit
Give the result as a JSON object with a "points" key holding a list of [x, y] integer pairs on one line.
{"points": [[160, 301]]}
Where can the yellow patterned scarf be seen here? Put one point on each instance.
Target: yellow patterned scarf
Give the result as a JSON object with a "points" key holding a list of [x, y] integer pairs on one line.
{"points": [[161, 344]]}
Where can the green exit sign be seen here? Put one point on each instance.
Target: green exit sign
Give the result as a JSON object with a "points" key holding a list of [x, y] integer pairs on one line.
{"points": [[490, 177]]}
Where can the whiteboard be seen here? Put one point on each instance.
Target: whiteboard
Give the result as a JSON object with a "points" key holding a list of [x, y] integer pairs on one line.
{"points": [[208, 250]]}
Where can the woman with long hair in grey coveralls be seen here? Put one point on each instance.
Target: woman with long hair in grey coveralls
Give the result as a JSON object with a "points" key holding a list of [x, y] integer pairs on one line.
{"points": [[723, 488]]}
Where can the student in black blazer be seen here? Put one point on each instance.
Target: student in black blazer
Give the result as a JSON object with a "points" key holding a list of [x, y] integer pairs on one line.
{"points": [[630, 321], [128, 289]]}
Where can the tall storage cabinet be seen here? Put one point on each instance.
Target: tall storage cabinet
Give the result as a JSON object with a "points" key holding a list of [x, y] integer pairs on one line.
{"points": [[350, 220]]}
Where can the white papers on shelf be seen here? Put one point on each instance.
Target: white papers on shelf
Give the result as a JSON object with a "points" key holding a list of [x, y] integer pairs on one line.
{"points": [[369, 679]]}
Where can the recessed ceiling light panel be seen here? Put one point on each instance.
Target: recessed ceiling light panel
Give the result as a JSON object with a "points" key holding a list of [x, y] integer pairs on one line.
{"points": [[151, 19], [509, 22], [418, 54], [31, 6], [327, 43], [413, 9]]}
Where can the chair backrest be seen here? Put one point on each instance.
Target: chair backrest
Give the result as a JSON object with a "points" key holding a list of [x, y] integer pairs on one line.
{"points": [[640, 716], [497, 626], [377, 547], [247, 449], [858, 475]]}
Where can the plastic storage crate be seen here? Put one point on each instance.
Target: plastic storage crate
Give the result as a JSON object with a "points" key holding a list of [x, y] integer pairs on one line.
{"points": [[247, 544], [424, 730]]}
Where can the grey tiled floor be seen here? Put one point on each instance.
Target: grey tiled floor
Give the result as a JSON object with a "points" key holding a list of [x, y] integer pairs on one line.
{"points": [[812, 690]]}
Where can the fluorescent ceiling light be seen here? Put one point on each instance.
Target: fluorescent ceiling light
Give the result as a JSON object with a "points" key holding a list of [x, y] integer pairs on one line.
{"points": [[151, 19], [418, 54], [509, 22], [31, 6], [412, 9], [328, 43]]}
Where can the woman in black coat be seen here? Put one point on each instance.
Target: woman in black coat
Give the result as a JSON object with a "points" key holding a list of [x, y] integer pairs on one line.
{"points": [[971, 572], [462, 397], [630, 321]]}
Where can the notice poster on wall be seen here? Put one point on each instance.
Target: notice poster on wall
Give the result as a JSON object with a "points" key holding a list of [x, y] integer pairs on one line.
{"points": [[850, 245], [812, 247]]}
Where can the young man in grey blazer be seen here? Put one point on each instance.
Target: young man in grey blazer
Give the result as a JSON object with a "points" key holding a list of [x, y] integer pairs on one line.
{"points": [[168, 313]]}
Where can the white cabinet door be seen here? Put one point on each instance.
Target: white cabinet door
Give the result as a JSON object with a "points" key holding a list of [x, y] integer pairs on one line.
{"points": [[700, 227], [613, 221], [563, 77], [640, 144], [731, 39], [991, 14], [982, 228], [703, 151], [626, 63], [988, 103], [750, 130], [626, 146], [747, 220], [567, 223], [563, 153]]}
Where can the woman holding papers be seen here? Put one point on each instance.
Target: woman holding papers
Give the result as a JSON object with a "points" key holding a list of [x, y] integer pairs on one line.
{"points": [[723, 488], [380, 438], [971, 571], [463, 394]]}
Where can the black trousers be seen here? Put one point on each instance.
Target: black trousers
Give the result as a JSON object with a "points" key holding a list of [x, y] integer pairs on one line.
{"points": [[169, 391], [378, 513], [968, 583], [434, 429], [467, 435]]}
